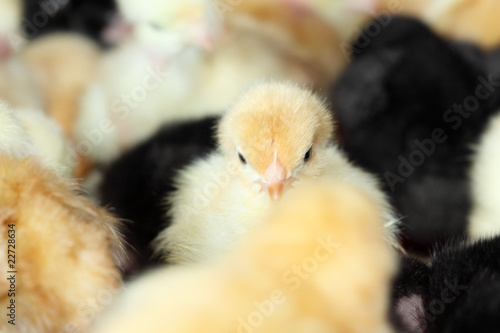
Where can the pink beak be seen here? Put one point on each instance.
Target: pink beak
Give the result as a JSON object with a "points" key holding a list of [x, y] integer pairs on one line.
{"points": [[275, 179]]}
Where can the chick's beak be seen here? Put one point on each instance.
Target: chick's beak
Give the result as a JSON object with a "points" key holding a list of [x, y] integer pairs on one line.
{"points": [[275, 179]]}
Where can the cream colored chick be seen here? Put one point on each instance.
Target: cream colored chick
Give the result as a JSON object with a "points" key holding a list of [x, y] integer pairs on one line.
{"points": [[485, 179], [65, 255], [26, 133], [63, 65], [182, 49], [275, 136], [145, 81], [14, 141], [318, 264], [17, 84], [10, 26]]}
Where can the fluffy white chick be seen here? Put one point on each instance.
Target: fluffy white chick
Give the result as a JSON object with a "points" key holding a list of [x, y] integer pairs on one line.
{"points": [[192, 48], [275, 136], [147, 79]]}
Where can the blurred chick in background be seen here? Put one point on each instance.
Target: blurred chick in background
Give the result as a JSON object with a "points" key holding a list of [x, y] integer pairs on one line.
{"points": [[135, 185], [10, 19], [67, 250], [190, 48], [63, 65], [403, 112], [147, 79], [468, 20], [48, 74], [26, 132], [457, 290], [88, 18], [17, 85], [275, 136], [333, 227]]}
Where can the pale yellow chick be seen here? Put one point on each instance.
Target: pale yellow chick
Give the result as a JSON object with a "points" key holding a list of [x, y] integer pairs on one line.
{"points": [[65, 251], [275, 136], [318, 264]]}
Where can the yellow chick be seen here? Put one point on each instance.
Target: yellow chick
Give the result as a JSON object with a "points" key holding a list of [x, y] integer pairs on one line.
{"points": [[275, 136], [62, 265], [470, 20], [318, 264]]}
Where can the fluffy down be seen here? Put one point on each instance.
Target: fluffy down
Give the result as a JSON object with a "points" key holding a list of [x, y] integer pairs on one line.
{"points": [[14, 140], [319, 264], [275, 136], [66, 250], [30, 133], [457, 291]]}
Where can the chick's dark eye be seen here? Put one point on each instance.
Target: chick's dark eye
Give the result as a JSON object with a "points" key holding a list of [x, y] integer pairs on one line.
{"points": [[242, 159], [307, 157]]}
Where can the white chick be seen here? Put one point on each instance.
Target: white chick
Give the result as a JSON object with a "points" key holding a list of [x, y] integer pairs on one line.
{"points": [[146, 80], [318, 264], [275, 136], [185, 49]]}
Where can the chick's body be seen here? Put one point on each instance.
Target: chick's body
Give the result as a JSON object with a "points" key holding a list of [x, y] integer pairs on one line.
{"points": [[275, 137]]}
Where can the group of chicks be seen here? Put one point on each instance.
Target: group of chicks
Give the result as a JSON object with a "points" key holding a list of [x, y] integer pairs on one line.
{"points": [[250, 166]]}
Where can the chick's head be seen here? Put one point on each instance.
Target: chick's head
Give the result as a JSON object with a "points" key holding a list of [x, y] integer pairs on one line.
{"points": [[164, 28], [277, 133]]}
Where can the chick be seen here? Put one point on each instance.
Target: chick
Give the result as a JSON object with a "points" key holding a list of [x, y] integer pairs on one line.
{"points": [[275, 136], [26, 133], [66, 254], [181, 49], [10, 24], [17, 84], [404, 116], [318, 264], [134, 186], [472, 21], [85, 17], [63, 65], [458, 290], [145, 81]]}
